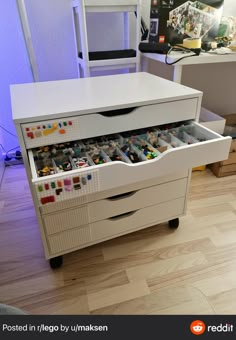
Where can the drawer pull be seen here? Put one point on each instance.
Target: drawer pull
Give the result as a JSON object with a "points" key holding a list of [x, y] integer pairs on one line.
{"points": [[121, 196], [119, 217], [118, 112]]}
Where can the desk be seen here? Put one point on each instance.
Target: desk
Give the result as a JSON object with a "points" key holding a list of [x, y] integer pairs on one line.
{"points": [[203, 58]]}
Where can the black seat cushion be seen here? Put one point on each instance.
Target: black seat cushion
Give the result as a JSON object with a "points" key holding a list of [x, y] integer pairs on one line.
{"points": [[104, 55]]}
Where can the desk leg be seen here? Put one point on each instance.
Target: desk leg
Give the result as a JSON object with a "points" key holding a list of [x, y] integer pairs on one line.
{"points": [[143, 63], [177, 73]]}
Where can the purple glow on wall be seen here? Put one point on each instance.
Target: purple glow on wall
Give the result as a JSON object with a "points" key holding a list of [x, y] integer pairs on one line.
{"points": [[14, 66]]}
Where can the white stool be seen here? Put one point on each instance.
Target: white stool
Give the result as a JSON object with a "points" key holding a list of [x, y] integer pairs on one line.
{"points": [[105, 60]]}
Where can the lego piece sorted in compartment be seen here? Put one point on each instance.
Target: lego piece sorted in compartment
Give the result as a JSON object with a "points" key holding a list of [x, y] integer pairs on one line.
{"points": [[147, 149], [192, 130], [83, 160], [77, 148], [63, 162], [181, 134], [115, 154], [169, 138], [45, 167], [159, 144], [98, 156], [42, 153], [128, 146], [132, 152], [62, 149]]}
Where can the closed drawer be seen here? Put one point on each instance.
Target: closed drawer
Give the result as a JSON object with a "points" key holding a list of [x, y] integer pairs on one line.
{"points": [[65, 220], [136, 220], [135, 200], [63, 242], [102, 123], [83, 200], [99, 124], [113, 206]]}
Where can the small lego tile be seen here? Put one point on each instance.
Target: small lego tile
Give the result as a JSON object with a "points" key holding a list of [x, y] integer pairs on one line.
{"points": [[38, 133], [48, 199], [54, 125], [84, 180], [89, 177], [65, 123], [67, 181], [77, 186], [48, 131], [62, 131], [68, 188], [76, 180], [27, 129], [46, 186], [40, 188], [70, 122], [38, 127], [59, 184], [53, 185], [59, 191], [44, 200], [30, 135]]}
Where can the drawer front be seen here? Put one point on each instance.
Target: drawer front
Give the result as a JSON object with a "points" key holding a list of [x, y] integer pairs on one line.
{"points": [[99, 210], [63, 242], [136, 220], [83, 182], [50, 131], [135, 200], [102, 195], [98, 124], [65, 220]]}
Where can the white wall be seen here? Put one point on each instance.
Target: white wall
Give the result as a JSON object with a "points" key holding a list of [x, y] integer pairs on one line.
{"points": [[52, 35], [217, 81], [51, 29], [229, 8], [14, 66]]}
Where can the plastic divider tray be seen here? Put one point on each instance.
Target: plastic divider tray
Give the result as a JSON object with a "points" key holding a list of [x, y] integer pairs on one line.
{"points": [[169, 138]]}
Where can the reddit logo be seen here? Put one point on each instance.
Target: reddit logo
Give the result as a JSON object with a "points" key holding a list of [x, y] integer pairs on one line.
{"points": [[197, 327]]}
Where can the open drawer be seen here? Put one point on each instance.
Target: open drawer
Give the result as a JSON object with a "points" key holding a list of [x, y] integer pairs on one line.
{"points": [[207, 147]]}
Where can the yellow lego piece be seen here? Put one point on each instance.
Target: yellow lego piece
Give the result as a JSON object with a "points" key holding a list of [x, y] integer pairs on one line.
{"points": [[200, 168]]}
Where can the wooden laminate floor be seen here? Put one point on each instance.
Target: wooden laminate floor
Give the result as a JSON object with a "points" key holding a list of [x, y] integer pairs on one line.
{"points": [[191, 270]]}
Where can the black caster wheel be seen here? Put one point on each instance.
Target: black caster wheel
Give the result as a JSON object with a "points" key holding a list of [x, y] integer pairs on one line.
{"points": [[173, 224], [56, 262]]}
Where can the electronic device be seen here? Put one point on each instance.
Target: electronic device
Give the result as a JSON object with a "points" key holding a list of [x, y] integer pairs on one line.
{"points": [[147, 47]]}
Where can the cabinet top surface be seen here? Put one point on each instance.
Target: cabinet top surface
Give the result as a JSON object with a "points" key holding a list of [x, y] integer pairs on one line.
{"points": [[55, 99]]}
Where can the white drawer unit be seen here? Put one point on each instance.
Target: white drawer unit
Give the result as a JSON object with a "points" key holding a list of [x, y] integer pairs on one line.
{"points": [[109, 155]]}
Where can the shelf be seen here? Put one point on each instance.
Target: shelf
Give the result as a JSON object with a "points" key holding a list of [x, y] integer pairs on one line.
{"points": [[108, 5], [104, 55]]}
